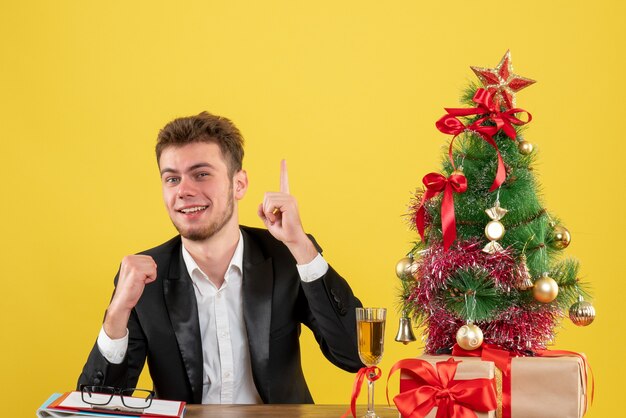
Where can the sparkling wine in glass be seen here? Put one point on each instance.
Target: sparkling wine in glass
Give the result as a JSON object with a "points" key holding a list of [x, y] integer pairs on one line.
{"points": [[370, 324]]}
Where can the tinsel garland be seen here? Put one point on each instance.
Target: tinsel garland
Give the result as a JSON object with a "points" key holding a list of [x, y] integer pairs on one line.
{"points": [[437, 265], [518, 329], [524, 325]]}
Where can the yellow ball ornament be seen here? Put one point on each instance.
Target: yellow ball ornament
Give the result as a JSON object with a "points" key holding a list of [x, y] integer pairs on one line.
{"points": [[545, 289], [469, 337], [405, 268], [582, 313], [560, 237], [525, 147]]}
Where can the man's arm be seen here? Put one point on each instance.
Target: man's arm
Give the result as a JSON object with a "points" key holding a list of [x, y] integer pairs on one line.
{"points": [[104, 366], [331, 316], [330, 301]]}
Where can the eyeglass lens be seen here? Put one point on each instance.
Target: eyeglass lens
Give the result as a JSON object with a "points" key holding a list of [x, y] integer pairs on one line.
{"points": [[137, 398]]}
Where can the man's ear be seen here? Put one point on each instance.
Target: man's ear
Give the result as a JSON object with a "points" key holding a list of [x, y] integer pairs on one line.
{"points": [[240, 184]]}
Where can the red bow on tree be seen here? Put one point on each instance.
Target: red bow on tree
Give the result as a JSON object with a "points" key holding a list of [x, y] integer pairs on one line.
{"points": [[436, 183], [437, 388], [486, 105], [489, 106]]}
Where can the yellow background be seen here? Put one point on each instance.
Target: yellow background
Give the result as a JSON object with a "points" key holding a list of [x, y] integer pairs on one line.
{"points": [[347, 91]]}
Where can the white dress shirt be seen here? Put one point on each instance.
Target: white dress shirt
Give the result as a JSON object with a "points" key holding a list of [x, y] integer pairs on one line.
{"points": [[227, 372]]}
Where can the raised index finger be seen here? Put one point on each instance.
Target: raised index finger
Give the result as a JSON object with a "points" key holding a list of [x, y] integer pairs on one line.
{"points": [[284, 178]]}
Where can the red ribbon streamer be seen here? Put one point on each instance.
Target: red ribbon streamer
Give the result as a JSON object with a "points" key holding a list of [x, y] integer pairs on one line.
{"points": [[435, 183], [448, 124], [502, 359], [486, 105], [437, 388], [372, 374]]}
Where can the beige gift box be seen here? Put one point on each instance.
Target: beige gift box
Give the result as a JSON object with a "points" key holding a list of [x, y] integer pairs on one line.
{"points": [[548, 387], [541, 387]]}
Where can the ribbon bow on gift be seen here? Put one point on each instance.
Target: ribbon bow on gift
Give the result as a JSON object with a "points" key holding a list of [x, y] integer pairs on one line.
{"points": [[436, 183], [488, 106], [437, 388]]}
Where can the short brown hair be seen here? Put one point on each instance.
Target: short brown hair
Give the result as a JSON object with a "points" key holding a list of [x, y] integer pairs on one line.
{"points": [[204, 127]]}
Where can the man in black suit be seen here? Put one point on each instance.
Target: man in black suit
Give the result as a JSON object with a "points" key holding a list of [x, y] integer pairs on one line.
{"points": [[216, 311]]}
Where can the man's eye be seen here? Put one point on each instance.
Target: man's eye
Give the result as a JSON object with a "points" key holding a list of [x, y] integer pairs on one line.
{"points": [[201, 175], [172, 180]]}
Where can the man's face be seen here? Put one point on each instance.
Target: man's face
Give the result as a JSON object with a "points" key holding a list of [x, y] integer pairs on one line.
{"points": [[198, 192]]}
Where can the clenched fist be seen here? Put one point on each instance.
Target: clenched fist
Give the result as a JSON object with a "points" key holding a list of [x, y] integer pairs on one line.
{"points": [[136, 272]]}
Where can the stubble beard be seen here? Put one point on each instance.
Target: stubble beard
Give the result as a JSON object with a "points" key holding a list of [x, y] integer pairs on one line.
{"points": [[205, 232]]}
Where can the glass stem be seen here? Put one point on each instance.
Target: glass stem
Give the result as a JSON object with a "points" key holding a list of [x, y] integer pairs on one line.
{"points": [[370, 397]]}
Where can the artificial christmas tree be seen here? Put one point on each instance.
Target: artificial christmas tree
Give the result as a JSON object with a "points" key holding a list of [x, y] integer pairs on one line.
{"points": [[488, 264], [487, 278]]}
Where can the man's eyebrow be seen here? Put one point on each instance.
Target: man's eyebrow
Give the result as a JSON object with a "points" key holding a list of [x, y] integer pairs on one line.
{"points": [[193, 167]]}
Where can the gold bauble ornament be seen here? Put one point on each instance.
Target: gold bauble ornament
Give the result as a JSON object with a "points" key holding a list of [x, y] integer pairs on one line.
{"points": [[458, 171], [525, 147], [582, 313], [560, 237], [469, 337], [405, 268], [545, 289]]}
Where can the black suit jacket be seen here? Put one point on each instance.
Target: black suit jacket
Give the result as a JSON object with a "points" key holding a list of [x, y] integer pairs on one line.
{"points": [[164, 328]]}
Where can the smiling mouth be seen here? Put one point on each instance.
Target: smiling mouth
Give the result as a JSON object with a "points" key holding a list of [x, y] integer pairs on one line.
{"points": [[194, 209]]}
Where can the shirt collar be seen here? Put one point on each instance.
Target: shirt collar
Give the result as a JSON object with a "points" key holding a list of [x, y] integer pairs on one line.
{"points": [[196, 274]]}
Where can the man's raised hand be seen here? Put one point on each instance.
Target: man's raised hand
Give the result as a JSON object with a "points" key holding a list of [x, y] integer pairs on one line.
{"points": [[279, 212]]}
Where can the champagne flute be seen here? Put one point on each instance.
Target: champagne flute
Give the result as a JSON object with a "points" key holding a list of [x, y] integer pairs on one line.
{"points": [[371, 335]]}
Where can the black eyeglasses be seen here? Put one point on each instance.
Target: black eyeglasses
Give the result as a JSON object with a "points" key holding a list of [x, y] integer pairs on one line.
{"points": [[101, 397]]}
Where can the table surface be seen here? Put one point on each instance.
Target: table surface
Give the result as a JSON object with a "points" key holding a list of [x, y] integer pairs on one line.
{"points": [[296, 411]]}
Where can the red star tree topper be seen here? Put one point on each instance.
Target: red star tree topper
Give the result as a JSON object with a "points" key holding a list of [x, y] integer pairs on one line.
{"points": [[502, 82]]}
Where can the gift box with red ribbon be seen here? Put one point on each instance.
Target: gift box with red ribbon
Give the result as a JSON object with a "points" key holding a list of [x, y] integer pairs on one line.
{"points": [[440, 386], [552, 384]]}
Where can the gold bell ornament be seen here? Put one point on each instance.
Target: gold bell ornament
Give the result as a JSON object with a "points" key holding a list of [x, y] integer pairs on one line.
{"points": [[469, 336], [546, 289], [405, 331], [494, 229], [582, 313]]}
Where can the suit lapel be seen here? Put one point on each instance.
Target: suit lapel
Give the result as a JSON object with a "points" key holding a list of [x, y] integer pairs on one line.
{"points": [[182, 307], [258, 281]]}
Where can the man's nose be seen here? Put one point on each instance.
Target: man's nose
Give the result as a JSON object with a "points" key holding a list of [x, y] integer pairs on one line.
{"points": [[186, 188]]}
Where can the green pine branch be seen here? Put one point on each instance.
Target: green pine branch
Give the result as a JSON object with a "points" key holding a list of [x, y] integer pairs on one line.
{"points": [[565, 273], [471, 295]]}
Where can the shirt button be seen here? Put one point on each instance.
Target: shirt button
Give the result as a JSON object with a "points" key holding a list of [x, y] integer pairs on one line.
{"points": [[227, 374], [219, 295], [223, 334]]}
